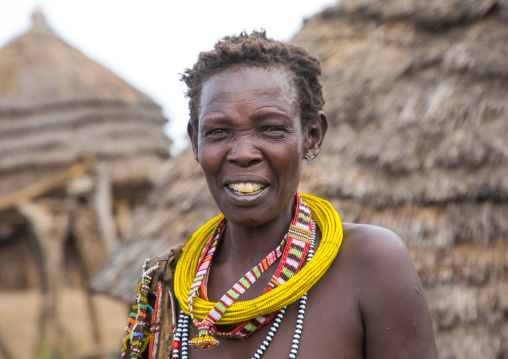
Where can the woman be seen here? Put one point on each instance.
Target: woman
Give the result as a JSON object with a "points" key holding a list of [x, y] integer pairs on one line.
{"points": [[256, 114]]}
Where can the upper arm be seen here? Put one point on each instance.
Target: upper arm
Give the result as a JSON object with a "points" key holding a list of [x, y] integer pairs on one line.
{"points": [[395, 314]]}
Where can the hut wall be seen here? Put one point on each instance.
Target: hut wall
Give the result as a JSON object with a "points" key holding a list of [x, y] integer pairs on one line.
{"points": [[416, 95]]}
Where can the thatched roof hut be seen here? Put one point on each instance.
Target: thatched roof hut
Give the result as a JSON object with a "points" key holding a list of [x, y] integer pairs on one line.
{"points": [[79, 151], [58, 108], [56, 105], [417, 96], [417, 92]]}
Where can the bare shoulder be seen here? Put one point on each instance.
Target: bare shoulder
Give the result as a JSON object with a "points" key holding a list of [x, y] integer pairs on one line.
{"points": [[389, 293], [370, 237], [379, 260], [375, 247]]}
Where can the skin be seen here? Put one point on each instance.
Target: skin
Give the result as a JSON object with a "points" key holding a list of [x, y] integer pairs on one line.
{"points": [[370, 302]]}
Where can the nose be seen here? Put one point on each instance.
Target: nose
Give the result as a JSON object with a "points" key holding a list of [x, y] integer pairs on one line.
{"points": [[244, 153]]}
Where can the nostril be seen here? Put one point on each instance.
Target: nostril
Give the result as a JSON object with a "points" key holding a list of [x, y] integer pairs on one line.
{"points": [[244, 154]]}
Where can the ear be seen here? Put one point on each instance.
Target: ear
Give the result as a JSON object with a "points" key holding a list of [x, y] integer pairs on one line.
{"points": [[193, 136], [315, 134]]}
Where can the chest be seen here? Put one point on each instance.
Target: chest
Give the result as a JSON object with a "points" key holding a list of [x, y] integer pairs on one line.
{"points": [[331, 329]]}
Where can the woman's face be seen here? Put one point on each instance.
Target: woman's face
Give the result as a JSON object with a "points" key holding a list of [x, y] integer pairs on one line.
{"points": [[250, 143]]}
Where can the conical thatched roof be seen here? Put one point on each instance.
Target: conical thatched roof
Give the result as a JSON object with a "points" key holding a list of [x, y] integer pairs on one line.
{"points": [[57, 105], [417, 96], [79, 150], [75, 138]]}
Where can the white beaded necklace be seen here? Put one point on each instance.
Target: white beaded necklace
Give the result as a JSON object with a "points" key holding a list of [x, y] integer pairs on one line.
{"points": [[181, 336]]}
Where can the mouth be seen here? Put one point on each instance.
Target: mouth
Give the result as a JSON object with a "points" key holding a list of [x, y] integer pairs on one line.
{"points": [[246, 188]]}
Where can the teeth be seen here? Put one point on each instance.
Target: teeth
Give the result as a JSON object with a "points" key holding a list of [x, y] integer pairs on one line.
{"points": [[245, 187]]}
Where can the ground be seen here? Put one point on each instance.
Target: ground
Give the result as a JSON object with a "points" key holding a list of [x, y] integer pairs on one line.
{"points": [[19, 312]]}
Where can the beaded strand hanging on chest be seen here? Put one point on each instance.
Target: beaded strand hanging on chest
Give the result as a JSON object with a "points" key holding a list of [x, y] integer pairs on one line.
{"points": [[181, 334], [293, 250], [143, 326]]}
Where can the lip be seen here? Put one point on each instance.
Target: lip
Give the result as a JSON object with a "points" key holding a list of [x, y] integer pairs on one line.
{"points": [[245, 179], [246, 200]]}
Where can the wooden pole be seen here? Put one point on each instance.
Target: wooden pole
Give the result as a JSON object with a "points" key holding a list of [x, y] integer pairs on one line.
{"points": [[41, 187], [50, 231], [104, 208], [91, 250]]}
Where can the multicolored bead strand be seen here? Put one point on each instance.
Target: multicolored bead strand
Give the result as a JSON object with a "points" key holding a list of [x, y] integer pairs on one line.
{"points": [[177, 338], [205, 338], [185, 337], [155, 323], [173, 313], [299, 321], [293, 249], [184, 319], [139, 330], [330, 225], [301, 311], [270, 335]]}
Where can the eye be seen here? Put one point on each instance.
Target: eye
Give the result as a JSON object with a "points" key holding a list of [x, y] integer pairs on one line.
{"points": [[216, 133], [275, 131]]}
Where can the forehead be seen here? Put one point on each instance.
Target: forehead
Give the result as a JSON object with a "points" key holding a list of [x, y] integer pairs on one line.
{"points": [[263, 86]]}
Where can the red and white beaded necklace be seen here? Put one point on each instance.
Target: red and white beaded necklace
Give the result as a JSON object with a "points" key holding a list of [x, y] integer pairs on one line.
{"points": [[181, 333], [293, 249]]}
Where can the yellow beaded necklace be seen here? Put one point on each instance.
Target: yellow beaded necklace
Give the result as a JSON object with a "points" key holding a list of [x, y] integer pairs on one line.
{"points": [[327, 220]]}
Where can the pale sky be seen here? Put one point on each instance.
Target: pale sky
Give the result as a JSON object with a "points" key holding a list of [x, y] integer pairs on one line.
{"points": [[149, 43]]}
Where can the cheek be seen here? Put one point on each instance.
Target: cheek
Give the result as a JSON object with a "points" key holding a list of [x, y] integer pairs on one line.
{"points": [[208, 164], [289, 160], [209, 160]]}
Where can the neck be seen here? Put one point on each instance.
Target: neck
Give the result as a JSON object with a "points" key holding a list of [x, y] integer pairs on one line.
{"points": [[326, 219], [249, 245]]}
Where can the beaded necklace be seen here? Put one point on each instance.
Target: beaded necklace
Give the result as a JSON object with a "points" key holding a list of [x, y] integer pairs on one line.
{"points": [[293, 254], [141, 333], [182, 333], [143, 330], [328, 221]]}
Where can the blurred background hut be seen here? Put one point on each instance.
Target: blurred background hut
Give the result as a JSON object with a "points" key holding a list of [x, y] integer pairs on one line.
{"points": [[417, 96], [417, 93], [79, 152]]}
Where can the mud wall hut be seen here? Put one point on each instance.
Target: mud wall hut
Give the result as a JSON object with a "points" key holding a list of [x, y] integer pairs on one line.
{"points": [[79, 152], [416, 93]]}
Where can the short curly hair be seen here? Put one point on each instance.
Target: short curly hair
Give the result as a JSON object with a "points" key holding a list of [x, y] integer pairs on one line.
{"points": [[257, 50]]}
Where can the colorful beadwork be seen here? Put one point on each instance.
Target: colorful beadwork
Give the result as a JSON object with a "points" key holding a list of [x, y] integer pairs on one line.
{"points": [[155, 323], [293, 255], [144, 325], [139, 329], [180, 339], [276, 323], [184, 320], [330, 225]]}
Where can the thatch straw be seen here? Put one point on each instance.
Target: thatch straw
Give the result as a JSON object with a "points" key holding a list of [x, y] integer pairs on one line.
{"points": [[57, 105], [417, 97], [59, 108]]}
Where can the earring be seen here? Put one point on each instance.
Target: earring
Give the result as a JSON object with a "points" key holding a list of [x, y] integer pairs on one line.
{"points": [[309, 156]]}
